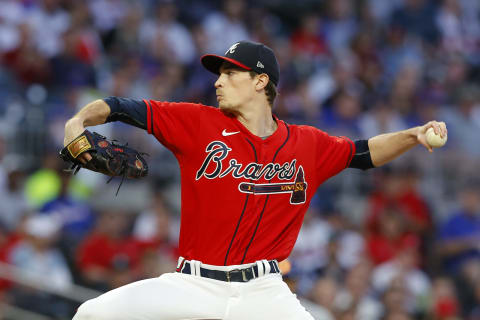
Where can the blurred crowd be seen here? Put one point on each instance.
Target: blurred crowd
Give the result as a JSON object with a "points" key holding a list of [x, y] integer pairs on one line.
{"points": [[399, 242]]}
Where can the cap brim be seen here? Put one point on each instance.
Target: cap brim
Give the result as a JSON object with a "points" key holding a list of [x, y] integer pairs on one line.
{"points": [[212, 63]]}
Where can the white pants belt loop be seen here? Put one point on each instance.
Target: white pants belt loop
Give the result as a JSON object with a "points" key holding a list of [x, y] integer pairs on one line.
{"points": [[195, 268], [180, 261], [266, 265], [260, 269]]}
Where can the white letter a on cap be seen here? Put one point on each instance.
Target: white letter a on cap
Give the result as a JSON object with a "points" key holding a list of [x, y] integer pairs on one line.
{"points": [[232, 48]]}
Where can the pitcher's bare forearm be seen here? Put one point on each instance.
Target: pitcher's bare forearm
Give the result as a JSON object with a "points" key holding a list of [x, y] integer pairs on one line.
{"points": [[92, 114], [386, 147]]}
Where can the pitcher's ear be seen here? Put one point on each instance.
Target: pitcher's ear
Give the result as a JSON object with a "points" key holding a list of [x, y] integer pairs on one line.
{"points": [[262, 81]]}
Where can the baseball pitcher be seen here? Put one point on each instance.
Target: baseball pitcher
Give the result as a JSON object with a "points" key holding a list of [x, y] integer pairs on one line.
{"points": [[247, 179]]}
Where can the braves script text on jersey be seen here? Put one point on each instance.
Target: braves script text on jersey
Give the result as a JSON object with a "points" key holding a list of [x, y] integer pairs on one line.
{"points": [[243, 197]]}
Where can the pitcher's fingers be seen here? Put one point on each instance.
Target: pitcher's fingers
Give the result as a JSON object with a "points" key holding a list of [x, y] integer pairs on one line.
{"points": [[443, 128], [426, 145], [436, 128], [85, 157]]}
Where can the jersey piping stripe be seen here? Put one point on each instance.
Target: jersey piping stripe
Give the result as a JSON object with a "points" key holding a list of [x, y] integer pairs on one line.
{"points": [[351, 152], [243, 211], [256, 228], [266, 200], [236, 229], [151, 116]]}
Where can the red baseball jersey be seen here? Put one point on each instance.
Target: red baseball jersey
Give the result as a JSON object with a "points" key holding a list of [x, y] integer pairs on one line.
{"points": [[243, 197]]}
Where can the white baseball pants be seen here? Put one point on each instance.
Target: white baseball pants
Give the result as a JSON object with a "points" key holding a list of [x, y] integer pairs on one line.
{"points": [[177, 296]]}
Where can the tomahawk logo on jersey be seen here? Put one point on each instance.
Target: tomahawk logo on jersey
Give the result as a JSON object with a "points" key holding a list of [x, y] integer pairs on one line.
{"points": [[235, 181]]}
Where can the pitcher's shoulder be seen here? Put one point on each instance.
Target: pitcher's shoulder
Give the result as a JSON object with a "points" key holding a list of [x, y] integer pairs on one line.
{"points": [[305, 130]]}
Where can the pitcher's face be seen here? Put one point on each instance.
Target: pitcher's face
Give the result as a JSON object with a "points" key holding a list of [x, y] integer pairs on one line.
{"points": [[235, 87]]}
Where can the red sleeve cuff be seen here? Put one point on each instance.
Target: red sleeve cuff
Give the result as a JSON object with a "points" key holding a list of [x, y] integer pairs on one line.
{"points": [[352, 151]]}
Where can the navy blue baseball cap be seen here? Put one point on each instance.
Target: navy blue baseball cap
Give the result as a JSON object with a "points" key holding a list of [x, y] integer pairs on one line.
{"points": [[246, 55]]}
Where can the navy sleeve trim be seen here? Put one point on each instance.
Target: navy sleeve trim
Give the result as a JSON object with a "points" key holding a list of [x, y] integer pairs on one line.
{"points": [[362, 158], [130, 111]]}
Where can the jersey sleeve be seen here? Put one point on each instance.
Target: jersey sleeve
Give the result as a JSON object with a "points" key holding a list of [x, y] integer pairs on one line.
{"points": [[333, 153], [130, 111], [174, 124]]}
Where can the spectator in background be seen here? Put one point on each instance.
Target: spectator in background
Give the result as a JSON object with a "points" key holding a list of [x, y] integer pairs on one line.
{"points": [[417, 18], [444, 301], [175, 37], [107, 14], [459, 26], [404, 269], [342, 115], [459, 239], [75, 217], [11, 15], [43, 184], [13, 203], [459, 235], [326, 84], [344, 250], [404, 90], [196, 84], [323, 294], [156, 230], [380, 117], [398, 51], [25, 61], [72, 68], [226, 26], [382, 10], [333, 268], [475, 313], [8, 240], [129, 79], [356, 296], [41, 262], [462, 121], [88, 44], [395, 301], [396, 188], [326, 246], [107, 257], [309, 253], [453, 77], [168, 84], [307, 43], [126, 39], [154, 263], [364, 48], [390, 236], [340, 25], [48, 22], [397, 316], [350, 242], [467, 286]]}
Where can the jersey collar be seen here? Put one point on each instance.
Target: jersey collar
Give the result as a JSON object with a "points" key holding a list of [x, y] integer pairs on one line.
{"points": [[278, 136]]}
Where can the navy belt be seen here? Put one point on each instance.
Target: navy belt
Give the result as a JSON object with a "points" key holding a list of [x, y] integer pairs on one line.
{"points": [[235, 275]]}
